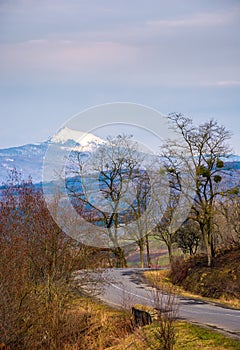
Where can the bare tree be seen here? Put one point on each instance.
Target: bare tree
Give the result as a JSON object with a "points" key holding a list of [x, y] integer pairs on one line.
{"points": [[205, 145], [166, 305], [114, 166], [138, 207], [164, 314], [229, 209], [164, 230]]}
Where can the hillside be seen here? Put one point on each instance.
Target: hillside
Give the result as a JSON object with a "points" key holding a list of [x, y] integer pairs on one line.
{"points": [[221, 282]]}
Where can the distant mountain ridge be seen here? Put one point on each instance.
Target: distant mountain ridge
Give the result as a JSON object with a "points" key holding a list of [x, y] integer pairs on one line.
{"points": [[28, 159]]}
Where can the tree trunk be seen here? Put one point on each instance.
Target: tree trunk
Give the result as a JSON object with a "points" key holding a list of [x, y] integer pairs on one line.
{"points": [[148, 252], [120, 257], [208, 235], [209, 255], [206, 230], [207, 240], [141, 252], [212, 247], [170, 254]]}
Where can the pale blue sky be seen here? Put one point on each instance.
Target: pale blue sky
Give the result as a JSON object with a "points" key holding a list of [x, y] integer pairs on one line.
{"points": [[58, 57]]}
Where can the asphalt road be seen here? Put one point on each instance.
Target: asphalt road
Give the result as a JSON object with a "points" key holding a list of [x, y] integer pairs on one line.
{"points": [[127, 288]]}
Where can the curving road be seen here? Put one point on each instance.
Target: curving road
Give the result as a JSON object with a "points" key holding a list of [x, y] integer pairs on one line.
{"points": [[126, 288]]}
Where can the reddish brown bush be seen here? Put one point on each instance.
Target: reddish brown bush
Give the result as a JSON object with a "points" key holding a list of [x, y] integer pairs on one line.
{"points": [[179, 270], [36, 264]]}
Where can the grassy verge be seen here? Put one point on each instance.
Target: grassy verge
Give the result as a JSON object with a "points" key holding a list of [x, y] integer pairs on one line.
{"points": [[161, 278], [195, 337], [108, 328], [189, 337], [95, 326]]}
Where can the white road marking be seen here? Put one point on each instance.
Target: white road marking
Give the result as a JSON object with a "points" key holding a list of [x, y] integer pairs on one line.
{"points": [[188, 311], [126, 291]]}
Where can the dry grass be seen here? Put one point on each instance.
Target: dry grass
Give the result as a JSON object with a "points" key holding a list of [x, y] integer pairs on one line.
{"points": [[94, 326], [161, 278], [189, 337], [85, 325], [90, 325]]}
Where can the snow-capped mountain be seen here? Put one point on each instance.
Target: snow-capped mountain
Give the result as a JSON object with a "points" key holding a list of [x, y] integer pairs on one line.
{"points": [[82, 140], [28, 159]]}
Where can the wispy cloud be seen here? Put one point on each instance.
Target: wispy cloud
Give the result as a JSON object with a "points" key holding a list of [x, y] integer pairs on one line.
{"points": [[65, 57], [196, 20], [230, 83], [61, 54], [165, 48]]}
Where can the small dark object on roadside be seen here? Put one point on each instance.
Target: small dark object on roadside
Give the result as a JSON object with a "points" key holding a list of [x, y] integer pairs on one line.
{"points": [[141, 318]]}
